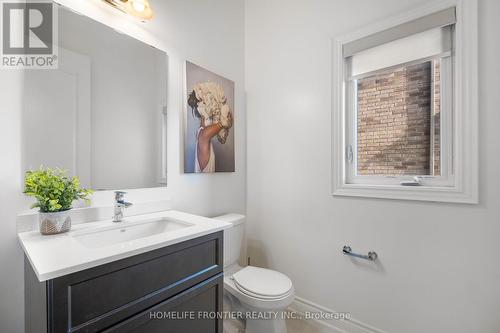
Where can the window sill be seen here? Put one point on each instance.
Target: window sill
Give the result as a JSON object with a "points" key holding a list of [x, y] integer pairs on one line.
{"points": [[415, 193]]}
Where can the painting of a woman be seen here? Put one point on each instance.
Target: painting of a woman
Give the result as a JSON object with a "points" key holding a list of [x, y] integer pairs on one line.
{"points": [[209, 142]]}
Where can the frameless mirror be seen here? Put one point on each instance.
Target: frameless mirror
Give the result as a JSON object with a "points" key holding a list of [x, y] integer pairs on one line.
{"points": [[101, 114]]}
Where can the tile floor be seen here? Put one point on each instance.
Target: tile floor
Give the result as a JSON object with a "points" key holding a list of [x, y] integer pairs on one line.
{"points": [[293, 326], [305, 326]]}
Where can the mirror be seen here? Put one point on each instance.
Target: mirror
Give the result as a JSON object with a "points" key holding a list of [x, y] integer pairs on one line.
{"points": [[101, 115]]}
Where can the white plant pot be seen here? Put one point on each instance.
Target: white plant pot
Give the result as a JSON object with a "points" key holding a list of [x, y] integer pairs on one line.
{"points": [[54, 223]]}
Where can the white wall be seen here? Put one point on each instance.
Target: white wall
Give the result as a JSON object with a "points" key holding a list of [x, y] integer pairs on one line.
{"points": [[438, 269], [11, 257], [209, 33]]}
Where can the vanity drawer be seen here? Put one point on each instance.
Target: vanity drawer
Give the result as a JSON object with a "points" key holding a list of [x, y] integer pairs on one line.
{"points": [[193, 310], [100, 297]]}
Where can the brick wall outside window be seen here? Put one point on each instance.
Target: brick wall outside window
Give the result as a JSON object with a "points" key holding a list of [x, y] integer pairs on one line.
{"points": [[394, 122], [437, 119]]}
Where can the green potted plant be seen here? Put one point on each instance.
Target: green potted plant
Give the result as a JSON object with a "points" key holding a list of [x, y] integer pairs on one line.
{"points": [[54, 193]]}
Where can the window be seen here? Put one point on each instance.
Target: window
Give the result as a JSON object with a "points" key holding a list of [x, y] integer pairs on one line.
{"points": [[397, 121], [396, 115], [403, 126]]}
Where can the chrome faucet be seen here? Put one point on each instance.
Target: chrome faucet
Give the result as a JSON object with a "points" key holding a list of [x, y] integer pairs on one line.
{"points": [[120, 205]]}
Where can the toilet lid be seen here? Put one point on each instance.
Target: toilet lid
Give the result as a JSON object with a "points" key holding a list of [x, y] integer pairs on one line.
{"points": [[262, 282]]}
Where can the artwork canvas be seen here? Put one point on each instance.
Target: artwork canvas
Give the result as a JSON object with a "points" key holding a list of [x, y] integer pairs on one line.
{"points": [[209, 122]]}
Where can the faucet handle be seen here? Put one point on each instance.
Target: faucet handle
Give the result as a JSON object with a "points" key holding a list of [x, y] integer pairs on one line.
{"points": [[119, 195]]}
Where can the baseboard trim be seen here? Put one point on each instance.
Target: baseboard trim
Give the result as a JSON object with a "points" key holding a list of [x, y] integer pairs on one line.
{"points": [[350, 325]]}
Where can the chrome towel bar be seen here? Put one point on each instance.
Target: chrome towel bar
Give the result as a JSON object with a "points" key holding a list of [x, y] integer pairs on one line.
{"points": [[372, 255]]}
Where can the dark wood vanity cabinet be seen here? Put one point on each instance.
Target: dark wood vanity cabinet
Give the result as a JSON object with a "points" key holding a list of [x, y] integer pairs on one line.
{"points": [[174, 289]]}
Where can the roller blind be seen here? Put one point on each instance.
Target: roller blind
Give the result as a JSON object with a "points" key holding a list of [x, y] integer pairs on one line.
{"points": [[418, 39], [436, 20]]}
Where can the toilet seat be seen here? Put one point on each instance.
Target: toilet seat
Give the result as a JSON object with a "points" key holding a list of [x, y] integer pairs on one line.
{"points": [[261, 283], [260, 297]]}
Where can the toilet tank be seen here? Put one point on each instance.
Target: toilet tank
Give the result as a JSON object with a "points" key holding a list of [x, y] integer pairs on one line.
{"points": [[233, 237]]}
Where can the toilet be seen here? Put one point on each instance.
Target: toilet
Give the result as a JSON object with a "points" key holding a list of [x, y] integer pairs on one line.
{"points": [[263, 293]]}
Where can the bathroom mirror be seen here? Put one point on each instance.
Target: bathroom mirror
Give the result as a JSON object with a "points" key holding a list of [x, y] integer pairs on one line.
{"points": [[101, 115]]}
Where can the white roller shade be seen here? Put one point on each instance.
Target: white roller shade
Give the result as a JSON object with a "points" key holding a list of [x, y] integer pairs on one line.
{"points": [[417, 46], [439, 19]]}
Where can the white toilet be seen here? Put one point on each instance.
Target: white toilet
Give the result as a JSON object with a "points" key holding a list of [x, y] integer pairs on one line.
{"points": [[263, 293]]}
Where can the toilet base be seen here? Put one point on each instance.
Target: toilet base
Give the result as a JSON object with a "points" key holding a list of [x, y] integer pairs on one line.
{"points": [[275, 325]]}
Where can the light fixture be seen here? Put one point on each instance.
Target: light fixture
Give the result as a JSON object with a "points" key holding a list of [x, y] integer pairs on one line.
{"points": [[137, 8]]}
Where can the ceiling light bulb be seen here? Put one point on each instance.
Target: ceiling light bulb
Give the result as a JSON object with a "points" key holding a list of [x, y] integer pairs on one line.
{"points": [[138, 5], [138, 8]]}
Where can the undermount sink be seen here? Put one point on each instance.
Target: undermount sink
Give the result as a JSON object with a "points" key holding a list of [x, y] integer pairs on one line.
{"points": [[126, 232]]}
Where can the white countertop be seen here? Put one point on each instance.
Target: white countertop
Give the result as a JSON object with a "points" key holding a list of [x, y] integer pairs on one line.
{"points": [[57, 255]]}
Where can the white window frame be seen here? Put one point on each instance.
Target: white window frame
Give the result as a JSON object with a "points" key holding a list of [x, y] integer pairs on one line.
{"points": [[459, 182]]}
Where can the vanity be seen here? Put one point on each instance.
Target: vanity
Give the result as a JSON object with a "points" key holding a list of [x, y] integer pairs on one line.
{"points": [[160, 272]]}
